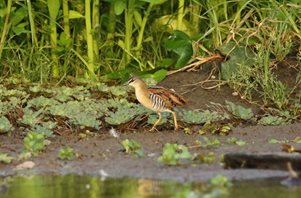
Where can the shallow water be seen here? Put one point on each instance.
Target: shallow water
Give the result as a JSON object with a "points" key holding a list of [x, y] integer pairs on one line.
{"points": [[73, 186]]}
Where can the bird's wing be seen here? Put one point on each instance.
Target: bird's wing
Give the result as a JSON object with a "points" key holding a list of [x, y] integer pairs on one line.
{"points": [[170, 97]]}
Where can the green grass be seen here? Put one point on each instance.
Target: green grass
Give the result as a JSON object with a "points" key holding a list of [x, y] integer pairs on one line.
{"points": [[52, 40]]}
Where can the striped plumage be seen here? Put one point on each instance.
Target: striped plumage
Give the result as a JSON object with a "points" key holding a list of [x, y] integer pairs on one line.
{"points": [[158, 99]]}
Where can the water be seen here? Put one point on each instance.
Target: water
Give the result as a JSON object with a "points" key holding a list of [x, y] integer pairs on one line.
{"points": [[73, 186]]}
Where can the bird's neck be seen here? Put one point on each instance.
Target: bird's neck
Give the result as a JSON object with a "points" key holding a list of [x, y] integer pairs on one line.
{"points": [[141, 89]]}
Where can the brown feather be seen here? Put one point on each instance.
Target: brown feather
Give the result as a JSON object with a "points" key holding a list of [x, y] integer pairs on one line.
{"points": [[170, 97]]}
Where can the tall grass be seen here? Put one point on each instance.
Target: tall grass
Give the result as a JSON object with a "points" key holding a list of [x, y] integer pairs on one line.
{"points": [[91, 38]]}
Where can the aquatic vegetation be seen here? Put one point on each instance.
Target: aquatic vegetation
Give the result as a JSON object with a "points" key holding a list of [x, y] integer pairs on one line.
{"points": [[5, 125], [132, 147], [201, 117], [236, 141], [124, 115], [35, 142], [239, 111], [5, 158], [66, 153], [215, 128], [206, 158], [220, 181], [275, 141], [273, 120], [174, 154], [206, 142], [93, 106]]}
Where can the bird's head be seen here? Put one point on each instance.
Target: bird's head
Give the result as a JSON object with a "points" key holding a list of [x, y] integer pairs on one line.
{"points": [[135, 81]]}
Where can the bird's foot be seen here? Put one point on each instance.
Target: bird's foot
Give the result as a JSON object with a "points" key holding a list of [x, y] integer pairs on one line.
{"points": [[153, 129]]}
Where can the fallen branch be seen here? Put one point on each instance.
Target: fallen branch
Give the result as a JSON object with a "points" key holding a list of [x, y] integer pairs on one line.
{"points": [[197, 64]]}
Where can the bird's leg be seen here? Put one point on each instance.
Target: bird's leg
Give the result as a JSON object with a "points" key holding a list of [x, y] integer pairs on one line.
{"points": [[175, 120], [157, 122]]}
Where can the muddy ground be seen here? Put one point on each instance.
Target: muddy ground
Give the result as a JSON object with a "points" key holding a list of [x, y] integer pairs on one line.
{"points": [[102, 154]]}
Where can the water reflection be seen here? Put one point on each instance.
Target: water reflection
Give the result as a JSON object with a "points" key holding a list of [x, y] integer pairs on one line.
{"points": [[73, 186]]}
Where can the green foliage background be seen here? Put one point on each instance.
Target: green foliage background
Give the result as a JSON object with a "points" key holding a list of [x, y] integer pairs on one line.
{"points": [[46, 39]]}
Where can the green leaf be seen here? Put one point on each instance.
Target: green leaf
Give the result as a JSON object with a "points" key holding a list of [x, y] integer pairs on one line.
{"points": [[239, 56], [180, 43], [66, 153], [155, 2], [64, 40], [214, 142], [200, 117], [5, 158], [124, 114], [132, 147], [31, 117], [18, 15], [35, 142], [234, 140], [297, 140], [275, 141], [159, 75], [137, 17], [53, 8], [173, 153], [272, 120], [206, 158], [5, 125], [20, 28], [119, 6], [239, 111], [152, 118], [73, 14], [220, 181]]}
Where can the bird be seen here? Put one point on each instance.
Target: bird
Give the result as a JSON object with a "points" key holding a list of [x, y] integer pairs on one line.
{"points": [[157, 98]]}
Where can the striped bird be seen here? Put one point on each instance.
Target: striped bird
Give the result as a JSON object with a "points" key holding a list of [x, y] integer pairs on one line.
{"points": [[158, 99]]}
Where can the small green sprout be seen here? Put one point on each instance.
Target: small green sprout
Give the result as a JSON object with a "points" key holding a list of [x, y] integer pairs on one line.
{"points": [[275, 141], [5, 158], [206, 158], [188, 131], [220, 181], [297, 140], [173, 153], [234, 140], [210, 142], [35, 142], [132, 147], [5, 125], [66, 153], [215, 128]]}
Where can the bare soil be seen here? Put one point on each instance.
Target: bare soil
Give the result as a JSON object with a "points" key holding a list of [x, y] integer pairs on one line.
{"points": [[102, 154]]}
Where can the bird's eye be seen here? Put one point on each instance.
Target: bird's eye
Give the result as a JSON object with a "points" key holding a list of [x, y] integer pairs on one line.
{"points": [[130, 80]]}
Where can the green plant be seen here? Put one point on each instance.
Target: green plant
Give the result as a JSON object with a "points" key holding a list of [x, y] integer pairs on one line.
{"points": [[200, 117], [215, 128], [234, 140], [35, 142], [297, 140], [239, 111], [180, 43], [275, 141], [66, 153], [5, 125], [173, 154], [214, 142], [132, 147], [272, 120], [5, 158], [206, 158], [220, 181]]}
